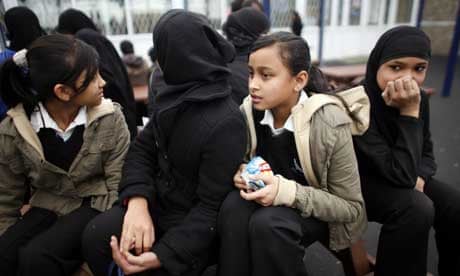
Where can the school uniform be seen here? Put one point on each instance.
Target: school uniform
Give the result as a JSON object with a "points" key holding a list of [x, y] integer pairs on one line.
{"points": [[258, 240], [183, 162], [394, 151], [73, 176]]}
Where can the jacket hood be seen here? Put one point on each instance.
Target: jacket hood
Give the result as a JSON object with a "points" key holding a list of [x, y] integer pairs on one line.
{"points": [[193, 57]]}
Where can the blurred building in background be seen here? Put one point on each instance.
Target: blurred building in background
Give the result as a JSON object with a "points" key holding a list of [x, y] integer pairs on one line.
{"points": [[351, 26]]}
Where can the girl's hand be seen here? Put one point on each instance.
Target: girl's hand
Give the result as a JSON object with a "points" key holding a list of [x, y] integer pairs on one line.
{"points": [[131, 264], [420, 184], [138, 230], [403, 94], [267, 194], [238, 180]]}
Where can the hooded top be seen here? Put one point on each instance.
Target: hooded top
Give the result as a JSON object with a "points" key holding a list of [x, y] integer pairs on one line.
{"points": [[193, 58], [396, 149], [23, 27], [403, 41], [72, 20], [244, 26], [114, 73]]}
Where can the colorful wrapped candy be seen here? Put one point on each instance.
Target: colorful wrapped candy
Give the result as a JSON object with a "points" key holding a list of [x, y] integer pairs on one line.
{"points": [[256, 166]]}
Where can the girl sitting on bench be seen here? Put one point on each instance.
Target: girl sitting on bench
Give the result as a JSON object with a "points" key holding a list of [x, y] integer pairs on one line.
{"points": [[64, 141], [265, 232], [397, 165]]}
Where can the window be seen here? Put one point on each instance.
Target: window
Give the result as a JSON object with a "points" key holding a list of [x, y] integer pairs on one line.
{"points": [[355, 12], [340, 12], [280, 12], [312, 13], [210, 8], [146, 13], [374, 12], [404, 11], [387, 11]]}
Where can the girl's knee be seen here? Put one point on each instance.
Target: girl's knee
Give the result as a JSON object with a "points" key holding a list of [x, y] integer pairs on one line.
{"points": [[265, 221], [420, 211]]}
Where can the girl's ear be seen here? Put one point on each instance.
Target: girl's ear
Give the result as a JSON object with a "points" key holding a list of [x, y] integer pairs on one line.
{"points": [[63, 92], [301, 80]]}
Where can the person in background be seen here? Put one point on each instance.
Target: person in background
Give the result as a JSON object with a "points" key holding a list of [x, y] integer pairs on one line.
{"points": [[67, 142], [296, 23], [254, 4], [137, 67], [236, 5], [71, 21], [242, 28], [397, 165], [112, 69], [23, 27]]}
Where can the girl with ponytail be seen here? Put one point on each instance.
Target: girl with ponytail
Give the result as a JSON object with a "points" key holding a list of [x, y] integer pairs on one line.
{"points": [[265, 232], [66, 143]]}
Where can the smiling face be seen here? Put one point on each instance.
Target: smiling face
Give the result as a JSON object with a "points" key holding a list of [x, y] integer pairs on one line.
{"points": [[394, 69], [271, 84]]}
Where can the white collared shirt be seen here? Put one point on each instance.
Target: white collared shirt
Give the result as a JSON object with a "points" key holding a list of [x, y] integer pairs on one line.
{"points": [[44, 120], [288, 125]]}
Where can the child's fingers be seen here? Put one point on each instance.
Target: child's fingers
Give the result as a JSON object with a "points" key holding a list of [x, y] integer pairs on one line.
{"points": [[250, 196], [116, 255], [407, 84], [398, 86], [240, 185]]}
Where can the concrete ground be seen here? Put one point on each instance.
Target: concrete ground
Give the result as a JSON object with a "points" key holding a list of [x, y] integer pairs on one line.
{"points": [[445, 130]]}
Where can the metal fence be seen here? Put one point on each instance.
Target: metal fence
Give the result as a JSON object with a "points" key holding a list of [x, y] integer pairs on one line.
{"points": [[121, 17]]}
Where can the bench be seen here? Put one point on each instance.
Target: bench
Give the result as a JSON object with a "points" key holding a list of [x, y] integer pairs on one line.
{"points": [[355, 260], [344, 76]]}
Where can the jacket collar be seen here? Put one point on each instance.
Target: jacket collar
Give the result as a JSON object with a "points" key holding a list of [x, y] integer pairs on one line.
{"points": [[23, 126]]}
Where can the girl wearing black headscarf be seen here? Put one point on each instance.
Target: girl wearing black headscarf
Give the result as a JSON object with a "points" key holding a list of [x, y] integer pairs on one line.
{"points": [[396, 161], [72, 20], [180, 167], [112, 69], [242, 29]]}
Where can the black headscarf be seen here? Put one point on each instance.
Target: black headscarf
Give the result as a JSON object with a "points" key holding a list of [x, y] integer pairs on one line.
{"points": [[113, 71], [23, 27], [72, 20], [192, 56], [244, 26], [402, 41]]}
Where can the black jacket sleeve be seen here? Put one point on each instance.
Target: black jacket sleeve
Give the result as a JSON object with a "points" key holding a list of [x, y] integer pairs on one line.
{"points": [[428, 165], [397, 163], [222, 152], [140, 168]]}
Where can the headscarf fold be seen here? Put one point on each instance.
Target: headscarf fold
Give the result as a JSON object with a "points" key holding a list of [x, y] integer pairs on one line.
{"points": [[193, 57], [244, 26], [72, 20]]}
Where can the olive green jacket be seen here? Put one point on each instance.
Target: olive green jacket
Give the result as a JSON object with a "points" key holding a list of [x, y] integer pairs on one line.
{"points": [[334, 195], [95, 171]]}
